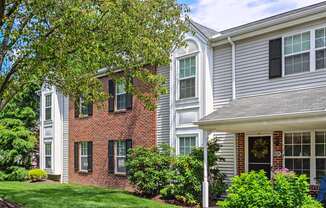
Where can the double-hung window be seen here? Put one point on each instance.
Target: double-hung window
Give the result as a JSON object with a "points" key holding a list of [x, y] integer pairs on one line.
{"points": [[48, 155], [186, 144], [48, 107], [187, 77], [83, 107], [320, 145], [320, 45], [120, 157], [121, 95], [298, 152], [83, 156], [297, 53]]}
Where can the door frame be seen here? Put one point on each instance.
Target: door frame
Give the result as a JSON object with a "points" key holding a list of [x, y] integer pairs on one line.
{"points": [[247, 150]]}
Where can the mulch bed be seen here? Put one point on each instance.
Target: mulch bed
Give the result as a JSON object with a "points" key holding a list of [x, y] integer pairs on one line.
{"points": [[5, 204]]}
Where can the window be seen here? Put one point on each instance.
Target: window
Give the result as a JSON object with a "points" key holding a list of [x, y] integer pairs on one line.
{"points": [[48, 107], [320, 149], [121, 95], [320, 45], [187, 77], [83, 107], [297, 152], [297, 53], [83, 156], [120, 157], [48, 155], [186, 144]]}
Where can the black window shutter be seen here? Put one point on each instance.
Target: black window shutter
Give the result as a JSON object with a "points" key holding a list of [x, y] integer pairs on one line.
{"points": [[76, 156], [275, 58], [111, 156], [128, 101], [90, 156], [112, 95], [90, 109], [128, 147], [76, 109]]}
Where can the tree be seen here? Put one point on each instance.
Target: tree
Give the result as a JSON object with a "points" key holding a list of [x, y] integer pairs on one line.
{"points": [[65, 42]]}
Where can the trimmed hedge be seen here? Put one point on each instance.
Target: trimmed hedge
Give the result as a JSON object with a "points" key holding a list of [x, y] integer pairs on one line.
{"points": [[37, 175]]}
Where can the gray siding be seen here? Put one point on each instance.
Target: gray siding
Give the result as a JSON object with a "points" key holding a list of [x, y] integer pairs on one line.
{"points": [[222, 94], [65, 147], [163, 111], [252, 62]]}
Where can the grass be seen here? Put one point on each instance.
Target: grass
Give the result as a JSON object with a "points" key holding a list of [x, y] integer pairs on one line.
{"points": [[54, 195]]}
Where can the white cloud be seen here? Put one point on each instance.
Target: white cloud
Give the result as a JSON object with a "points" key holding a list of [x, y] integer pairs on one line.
{"points": [[223, 14]]}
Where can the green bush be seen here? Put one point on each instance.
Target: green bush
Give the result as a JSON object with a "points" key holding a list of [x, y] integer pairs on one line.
{"points": [[256, 190], [37, 175], [149, 169], [17, 174], [3, 176]]}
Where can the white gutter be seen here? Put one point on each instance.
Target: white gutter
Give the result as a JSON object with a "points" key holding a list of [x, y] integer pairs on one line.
{"points": [[233, 68]]}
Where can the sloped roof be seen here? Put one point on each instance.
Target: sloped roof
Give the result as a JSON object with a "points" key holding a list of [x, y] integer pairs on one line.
{"points": [[207, 32], [285, 103]]}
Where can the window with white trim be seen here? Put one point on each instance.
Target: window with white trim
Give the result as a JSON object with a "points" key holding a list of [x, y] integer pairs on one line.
{"points": [[83, 166], [320, 151], [320, 45], [48, 107], [48, 155], [186, 144], [83, 107], [297, 155], [187, 77], [297, 53], [120, 157], [121, 95]]}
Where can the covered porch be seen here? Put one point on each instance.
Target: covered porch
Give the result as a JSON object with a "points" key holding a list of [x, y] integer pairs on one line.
{"points": [[273, 131]]}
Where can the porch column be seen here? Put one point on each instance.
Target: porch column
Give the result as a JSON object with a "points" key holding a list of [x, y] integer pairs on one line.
{"points": [[277, 149], [240, 141], [205, 182]]}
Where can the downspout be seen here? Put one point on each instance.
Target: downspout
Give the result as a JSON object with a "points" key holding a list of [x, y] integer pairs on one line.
{"points": [[233, 68]]}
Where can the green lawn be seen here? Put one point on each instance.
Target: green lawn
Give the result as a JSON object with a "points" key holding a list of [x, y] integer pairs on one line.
{"points": [[53, 195]]}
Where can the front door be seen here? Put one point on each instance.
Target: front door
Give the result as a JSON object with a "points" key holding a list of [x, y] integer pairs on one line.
{"points": [[259, 154]]}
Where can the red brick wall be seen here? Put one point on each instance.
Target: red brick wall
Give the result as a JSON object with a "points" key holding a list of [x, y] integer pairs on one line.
{"points": [[277, 147], [138, 124], [240, 140]]}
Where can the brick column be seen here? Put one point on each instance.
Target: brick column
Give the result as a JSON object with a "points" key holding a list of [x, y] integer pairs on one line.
{"points": [[240, 153], [277, 147]]}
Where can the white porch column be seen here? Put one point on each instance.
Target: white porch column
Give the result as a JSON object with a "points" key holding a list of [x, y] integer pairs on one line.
{"points": [[205, 182]]}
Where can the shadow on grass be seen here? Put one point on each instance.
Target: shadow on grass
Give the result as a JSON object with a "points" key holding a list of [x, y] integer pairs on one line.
{"points": [[62, 196]]}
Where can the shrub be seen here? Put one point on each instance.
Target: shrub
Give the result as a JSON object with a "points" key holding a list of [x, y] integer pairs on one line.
{"points": [[37, 175], [249, 190], [3, 176], [255, 190], [149, 169], [17, 174]]}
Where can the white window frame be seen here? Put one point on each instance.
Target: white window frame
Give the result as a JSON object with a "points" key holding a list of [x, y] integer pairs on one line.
{"points": [[116, 157], [116, 97], [82, 156], [46, 107], [320, 48], [51, 155], [313, 157], [185, 135], [311, 51], [178, 79], [81, 103]]}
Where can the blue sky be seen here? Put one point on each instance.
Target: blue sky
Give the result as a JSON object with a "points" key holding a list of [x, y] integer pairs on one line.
{"points": [[223, 14]]}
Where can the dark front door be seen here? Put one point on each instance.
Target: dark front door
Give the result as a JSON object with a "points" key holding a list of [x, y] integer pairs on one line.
{"points": [[259, 157]]}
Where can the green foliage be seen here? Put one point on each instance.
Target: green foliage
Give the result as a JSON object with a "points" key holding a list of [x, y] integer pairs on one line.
{"points": [[17, 174], [37, 175], [149, 169], [3, 176], [66, 42], [256, 190]]}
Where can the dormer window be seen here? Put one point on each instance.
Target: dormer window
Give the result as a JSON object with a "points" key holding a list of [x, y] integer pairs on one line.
{"points": [[187, 77], [48, 107]]}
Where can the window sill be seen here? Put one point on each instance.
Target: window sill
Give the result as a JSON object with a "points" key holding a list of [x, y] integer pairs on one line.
{"points": [[84, 172], [83, 116], [120, 174], [120, 111]]}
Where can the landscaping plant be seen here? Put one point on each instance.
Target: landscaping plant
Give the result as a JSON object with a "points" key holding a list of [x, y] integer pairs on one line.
{"points": [[37, 175]]}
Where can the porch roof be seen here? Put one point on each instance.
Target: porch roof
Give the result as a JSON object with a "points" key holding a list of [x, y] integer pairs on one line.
{"points": [[285, 105]]}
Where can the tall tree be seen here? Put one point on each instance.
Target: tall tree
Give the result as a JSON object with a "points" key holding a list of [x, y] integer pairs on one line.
{"points": [[65, 42]]}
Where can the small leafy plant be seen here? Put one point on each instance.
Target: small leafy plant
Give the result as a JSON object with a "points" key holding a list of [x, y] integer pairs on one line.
{"points": [[37, 175]]}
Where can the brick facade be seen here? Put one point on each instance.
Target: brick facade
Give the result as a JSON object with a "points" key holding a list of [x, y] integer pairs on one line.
{"points": [[138, 124], [277, 151]]}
